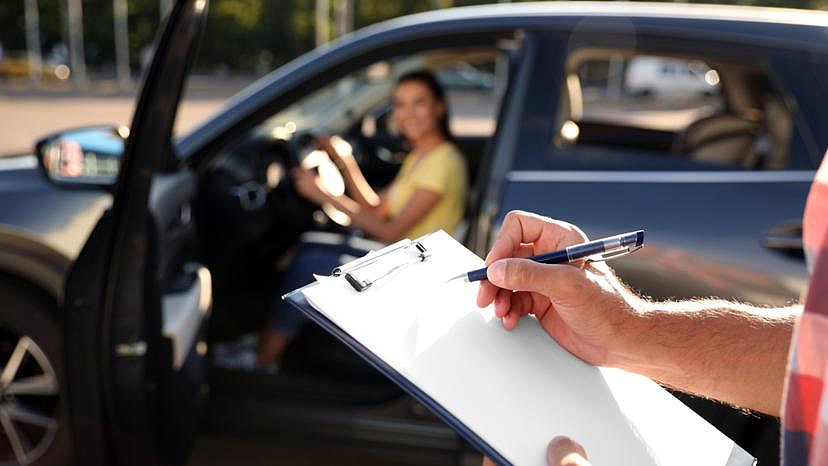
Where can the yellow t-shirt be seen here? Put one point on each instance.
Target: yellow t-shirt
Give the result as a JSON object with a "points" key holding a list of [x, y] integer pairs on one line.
{"points": [[443, 170]]}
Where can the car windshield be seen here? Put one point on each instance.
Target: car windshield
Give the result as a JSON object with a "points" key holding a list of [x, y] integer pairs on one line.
{"points": [[337, 106], [351, 95], [332, 95]]}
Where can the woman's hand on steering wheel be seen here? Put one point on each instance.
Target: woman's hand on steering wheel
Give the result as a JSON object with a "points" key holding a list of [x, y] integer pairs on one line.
{"points": [[323, 141], [318, 178], [307, 184], [337, 148]]}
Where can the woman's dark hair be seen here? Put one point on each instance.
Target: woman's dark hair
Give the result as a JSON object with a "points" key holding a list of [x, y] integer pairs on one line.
{"points": [[427, 78]]}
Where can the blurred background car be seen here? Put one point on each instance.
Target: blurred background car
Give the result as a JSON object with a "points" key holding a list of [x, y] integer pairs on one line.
{"points": [[670, 77], [17, 65], [115, 292]]}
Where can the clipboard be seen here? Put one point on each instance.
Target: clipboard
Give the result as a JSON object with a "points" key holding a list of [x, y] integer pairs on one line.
{"points": [[297, 300], [727, 454]]}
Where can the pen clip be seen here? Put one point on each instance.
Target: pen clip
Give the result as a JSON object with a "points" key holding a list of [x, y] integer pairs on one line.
{"points": [[614, 254]]}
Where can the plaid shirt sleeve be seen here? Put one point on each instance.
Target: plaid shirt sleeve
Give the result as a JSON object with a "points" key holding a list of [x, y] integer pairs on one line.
{"points": [[805, 418]]}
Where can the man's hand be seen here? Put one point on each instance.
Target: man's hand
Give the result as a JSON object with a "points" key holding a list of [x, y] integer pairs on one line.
{"points": [[561, 451], [582, 306]]}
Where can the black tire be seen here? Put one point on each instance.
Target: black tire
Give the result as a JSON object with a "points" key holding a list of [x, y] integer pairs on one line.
{"points": [[28, 326]]}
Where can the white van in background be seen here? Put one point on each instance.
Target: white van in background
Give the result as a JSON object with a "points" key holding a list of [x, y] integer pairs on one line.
{"points": [[659, 76]]}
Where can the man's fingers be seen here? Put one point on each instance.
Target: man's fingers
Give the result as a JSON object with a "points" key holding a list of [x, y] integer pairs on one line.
{"points": [[542, 234], [563, 451], [511, 319], [505, 247], [530, 303], [486, 293], [502, 303], [522, 303], [525, 275], [518, 227]]}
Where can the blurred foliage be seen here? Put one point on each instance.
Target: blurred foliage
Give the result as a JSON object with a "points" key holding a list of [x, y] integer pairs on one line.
{"points": [[243, 36]]}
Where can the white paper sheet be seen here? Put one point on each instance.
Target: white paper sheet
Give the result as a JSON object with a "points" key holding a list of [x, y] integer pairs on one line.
{"points": [[516, 389]]}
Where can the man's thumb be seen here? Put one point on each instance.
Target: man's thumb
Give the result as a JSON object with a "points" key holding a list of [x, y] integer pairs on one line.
{"points": [[527, 275], [563, 451]]}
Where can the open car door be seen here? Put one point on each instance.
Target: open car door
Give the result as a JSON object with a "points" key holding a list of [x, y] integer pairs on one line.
{"points": [[135, 300]]}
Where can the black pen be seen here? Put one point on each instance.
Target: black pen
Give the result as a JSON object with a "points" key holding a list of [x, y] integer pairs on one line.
{"points": [[606, 248]]}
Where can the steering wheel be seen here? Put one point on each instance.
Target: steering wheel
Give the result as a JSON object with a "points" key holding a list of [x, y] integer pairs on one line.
{"points": [[250, 188], [305, 154], [300, 145], [260, 168], [248, 209]]}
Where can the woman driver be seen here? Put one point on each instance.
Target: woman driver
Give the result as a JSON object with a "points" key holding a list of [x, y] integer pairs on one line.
{"points": [[428, 194]]}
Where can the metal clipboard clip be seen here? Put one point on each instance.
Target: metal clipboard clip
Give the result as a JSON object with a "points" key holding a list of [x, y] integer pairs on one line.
{"points": [[376, 265]]}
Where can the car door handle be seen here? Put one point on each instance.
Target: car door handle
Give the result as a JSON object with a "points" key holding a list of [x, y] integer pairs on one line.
{"points": [[785, 238], [184, 311]]}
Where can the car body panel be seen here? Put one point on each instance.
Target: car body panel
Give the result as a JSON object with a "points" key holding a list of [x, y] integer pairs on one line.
{"points": [[43, 227], [694, 252]]}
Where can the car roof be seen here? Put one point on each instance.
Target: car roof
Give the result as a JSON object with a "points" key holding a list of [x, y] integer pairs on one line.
{"points": [[807, 27], [628, 9], [758, 26]]}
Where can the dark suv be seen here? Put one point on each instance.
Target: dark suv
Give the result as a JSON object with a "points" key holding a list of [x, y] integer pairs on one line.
{"points": [[126, 253]]}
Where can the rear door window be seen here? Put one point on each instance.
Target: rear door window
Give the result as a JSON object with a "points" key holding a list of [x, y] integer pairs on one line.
{"points": [[630, 111]]}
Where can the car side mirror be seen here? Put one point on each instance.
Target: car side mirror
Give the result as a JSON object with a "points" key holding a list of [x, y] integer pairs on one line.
{"points": [[83, 156]]}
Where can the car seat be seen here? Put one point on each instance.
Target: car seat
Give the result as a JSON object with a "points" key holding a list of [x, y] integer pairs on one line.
{"points": [[722, 139], [570, 111], [779, 125]]}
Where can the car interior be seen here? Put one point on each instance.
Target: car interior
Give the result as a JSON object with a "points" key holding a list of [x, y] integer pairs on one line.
{"points": [[740, 121], [252, 219]]}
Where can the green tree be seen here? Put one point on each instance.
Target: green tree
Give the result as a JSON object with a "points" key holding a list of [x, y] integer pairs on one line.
{"points": [[242, 36]]}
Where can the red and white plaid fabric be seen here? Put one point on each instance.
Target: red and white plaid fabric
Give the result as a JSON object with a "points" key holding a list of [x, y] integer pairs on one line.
{"points": [[805, 419]]}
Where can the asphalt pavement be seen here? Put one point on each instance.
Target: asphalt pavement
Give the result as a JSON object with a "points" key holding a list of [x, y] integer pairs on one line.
{"points": [[28, 113]]}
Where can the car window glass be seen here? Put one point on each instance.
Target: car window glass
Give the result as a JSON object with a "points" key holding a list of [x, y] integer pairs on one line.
{"points": [[636, 111], [357, 107], [470, 84]]}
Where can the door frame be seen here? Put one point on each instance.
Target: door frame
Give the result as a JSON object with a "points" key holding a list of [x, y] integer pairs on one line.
{"points": [[106, 348]]}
